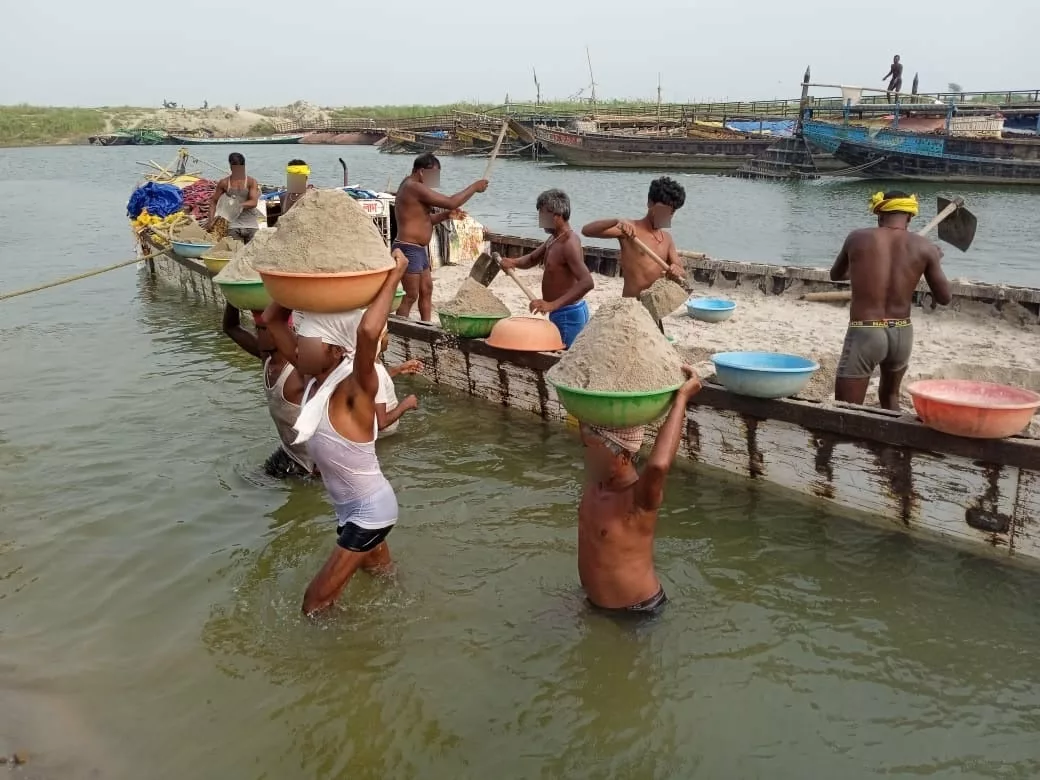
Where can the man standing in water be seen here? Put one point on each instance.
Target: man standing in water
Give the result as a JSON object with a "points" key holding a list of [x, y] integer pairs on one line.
{"points": [[283, 387], [664, 199], [416, 198], [232, 206], [566, 280], [617, 516], [884, 265], [339, 424], [896, 73]]}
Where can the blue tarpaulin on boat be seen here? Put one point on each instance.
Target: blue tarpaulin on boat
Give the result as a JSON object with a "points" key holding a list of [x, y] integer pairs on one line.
{"points": [[774, 128], [161, 200]]}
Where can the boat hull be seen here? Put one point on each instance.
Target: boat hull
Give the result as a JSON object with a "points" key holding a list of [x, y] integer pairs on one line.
{"points": [[603, 150], [266, 139], [896, 155]]}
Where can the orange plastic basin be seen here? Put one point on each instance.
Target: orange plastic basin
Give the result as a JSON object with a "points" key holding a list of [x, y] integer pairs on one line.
{"points": [[526, 334], [325, 293], [979, 410]]}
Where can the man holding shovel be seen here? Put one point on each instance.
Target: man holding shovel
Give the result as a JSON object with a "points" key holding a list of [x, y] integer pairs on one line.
{"points": [[416, 198], [884, 265], [566, 280]]}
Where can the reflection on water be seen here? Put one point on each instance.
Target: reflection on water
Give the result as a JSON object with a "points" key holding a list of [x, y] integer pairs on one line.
{"points": [[151, 577]]}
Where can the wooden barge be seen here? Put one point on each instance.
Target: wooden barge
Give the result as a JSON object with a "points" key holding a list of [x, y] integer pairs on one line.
{"points": [[887, 467]]}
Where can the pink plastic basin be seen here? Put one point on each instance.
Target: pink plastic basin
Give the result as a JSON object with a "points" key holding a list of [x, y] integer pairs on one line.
{"points": [[979, 410]]}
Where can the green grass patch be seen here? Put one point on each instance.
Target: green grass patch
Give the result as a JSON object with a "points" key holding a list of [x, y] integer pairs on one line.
{"points": [[27, 125]]}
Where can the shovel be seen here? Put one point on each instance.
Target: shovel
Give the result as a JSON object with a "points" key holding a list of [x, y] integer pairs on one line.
{"points": [[957, 227], [485, 269]]}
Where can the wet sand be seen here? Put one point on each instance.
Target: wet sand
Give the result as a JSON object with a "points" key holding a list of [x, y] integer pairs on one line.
{"points": [[977, 343]]}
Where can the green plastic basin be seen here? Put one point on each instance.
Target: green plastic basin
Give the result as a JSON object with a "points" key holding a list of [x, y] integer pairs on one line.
{"points": [[246, 295], [398, 297], [615, 409], [467, 326]]}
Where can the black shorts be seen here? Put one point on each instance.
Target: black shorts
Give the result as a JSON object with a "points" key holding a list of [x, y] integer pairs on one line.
{"points": [[650, 607], [351, 536]]}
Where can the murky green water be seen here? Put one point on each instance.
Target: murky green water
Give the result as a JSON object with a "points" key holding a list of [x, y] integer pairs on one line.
{"points": [[150, 577]]}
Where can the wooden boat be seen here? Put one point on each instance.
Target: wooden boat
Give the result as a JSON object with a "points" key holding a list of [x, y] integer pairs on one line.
{"points": [[616, 150], [886, 153], [256, 139], [884, 466]]}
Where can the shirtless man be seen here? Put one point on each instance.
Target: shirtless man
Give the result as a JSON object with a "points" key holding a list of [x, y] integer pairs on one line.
{"points": [[416, 198], [664, 199], [232, 206], [283, 387], [617, 515], [339, 424], [566, 280], [884, 265], [896, 73]]}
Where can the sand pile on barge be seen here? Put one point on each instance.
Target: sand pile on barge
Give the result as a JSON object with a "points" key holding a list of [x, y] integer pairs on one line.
{"points": [[662, 298], [620, 349], [241, 268], [474, 300], [191, 232], [325, 232]]}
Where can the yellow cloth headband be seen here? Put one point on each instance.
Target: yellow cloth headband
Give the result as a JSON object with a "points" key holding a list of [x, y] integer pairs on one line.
{"points": [[879, 205], [303, 170]]}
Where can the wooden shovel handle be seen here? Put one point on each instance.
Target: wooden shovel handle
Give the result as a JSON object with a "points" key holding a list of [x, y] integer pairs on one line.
{"points": [[652, 254], [527, 291], [494, 152], [955, 204]]}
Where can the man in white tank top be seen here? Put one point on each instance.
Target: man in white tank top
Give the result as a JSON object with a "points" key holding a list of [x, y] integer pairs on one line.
{"points": [[283, 386], [338, 422]]}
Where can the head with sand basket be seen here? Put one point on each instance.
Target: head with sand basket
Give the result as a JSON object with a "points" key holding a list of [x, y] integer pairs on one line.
{"points": [[325, 340], [611, 454]]}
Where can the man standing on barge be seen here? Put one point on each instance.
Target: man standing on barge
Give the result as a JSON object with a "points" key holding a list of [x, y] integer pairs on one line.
{"points": [[665, 197], [566, 280], [416, 198], [884, 265]]}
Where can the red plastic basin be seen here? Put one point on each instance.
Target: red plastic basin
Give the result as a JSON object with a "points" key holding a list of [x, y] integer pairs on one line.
{"points": [[979, 410]]}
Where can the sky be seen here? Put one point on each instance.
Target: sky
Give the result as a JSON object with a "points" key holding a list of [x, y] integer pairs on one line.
{"points": [[267, 53]]}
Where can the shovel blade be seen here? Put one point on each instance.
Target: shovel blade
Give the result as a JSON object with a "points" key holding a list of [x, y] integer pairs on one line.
{"points": [[484, 270], [958, 229]]}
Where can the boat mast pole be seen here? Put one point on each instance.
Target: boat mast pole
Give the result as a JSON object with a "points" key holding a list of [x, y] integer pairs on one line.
{"points": [[803, 104], [592, 79]]}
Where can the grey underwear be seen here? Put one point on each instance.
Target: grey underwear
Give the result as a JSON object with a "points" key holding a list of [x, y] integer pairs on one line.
{"points": [[885, 343]]}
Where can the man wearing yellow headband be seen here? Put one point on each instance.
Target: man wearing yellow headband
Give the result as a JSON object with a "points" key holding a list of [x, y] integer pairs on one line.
{"points": [[884, 266], [296, 173]]}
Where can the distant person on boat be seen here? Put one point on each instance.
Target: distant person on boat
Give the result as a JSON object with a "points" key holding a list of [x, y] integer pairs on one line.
{"points": [[666, 197], [566, 279], [415, 200], [232, 206], [617, 516], [283, 387], [884, 265], [296, 173], [895, 73], [339, 424]]}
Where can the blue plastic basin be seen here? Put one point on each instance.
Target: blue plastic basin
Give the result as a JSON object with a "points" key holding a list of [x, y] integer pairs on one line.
{"points": [[188, 249], [710, 309], [763, 374]]}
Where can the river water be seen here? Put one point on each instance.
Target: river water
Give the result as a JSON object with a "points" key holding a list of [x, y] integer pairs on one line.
{"points": [[150, 576]]}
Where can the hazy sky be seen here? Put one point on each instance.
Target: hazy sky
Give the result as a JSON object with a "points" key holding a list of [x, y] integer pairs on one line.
{"points": [[118, 52]]}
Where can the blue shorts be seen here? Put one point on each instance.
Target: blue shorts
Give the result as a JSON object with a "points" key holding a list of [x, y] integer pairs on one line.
{"points": [[418, 256], [570, 320]]}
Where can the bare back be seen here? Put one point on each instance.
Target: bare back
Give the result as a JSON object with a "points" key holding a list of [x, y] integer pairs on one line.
{"points": [[885, 267], [638, 269], [615, 547], [414, 225]]}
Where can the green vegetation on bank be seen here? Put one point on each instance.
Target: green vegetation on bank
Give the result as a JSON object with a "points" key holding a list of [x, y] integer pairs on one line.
{"points": [[25, 125], [408, 112]]}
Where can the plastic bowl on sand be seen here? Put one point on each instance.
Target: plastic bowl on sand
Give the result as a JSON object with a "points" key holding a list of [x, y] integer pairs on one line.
{"points": [[215, 264], [189, 249], [325, 293], [615, 409], [470, 326], [526, 334], [710, 309], [763, 374], [250, 295], [978, 410]]}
